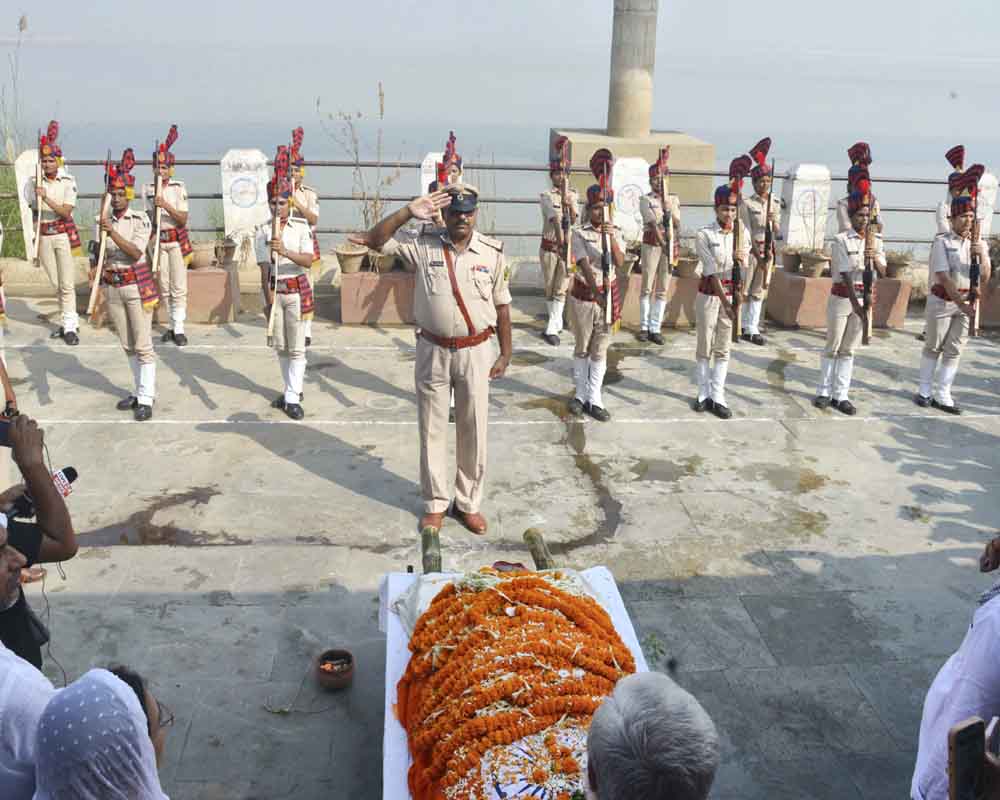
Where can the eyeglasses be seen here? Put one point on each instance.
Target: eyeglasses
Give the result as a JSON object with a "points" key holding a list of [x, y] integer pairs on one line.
{"points": [[165, 714]]}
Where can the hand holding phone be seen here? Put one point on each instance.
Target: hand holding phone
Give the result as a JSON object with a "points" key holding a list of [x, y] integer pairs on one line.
{"points": [[966, 760]]}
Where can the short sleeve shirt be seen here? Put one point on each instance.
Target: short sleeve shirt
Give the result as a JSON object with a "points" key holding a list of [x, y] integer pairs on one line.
{"points": [[755, 215], [587, 245], [849, 256], [61, 190], [480, 272], [136, 228], [308, 198], [651, 209], [175, 193], [552, 210], [952, 254], [714, 248], [296, 238]]}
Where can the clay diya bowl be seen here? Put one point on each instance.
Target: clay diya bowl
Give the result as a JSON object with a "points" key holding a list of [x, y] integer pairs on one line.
{"points": [[335, 669]]}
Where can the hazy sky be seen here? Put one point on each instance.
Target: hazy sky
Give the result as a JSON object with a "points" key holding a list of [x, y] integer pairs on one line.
{"points": [[903, 67]]}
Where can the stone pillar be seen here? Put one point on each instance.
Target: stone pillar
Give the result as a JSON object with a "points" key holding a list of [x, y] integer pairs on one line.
{"points": [[633, 53]]}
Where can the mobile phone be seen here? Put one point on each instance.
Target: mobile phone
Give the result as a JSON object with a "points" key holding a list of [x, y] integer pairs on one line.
{"points": [[993, 737], [966, 751]]}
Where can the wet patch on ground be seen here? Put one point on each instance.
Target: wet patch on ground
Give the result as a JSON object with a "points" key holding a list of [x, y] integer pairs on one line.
{"points": [[664, 471]]}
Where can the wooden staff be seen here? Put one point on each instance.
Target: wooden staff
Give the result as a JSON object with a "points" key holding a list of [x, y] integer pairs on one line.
{"points": [[36, 257], [975, 267], [105, 208], [280, 173], [157, 188], [601, 164], [868, 276]]}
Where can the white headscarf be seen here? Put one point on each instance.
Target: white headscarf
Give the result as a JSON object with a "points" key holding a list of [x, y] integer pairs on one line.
{"points": [[93, 744], [24, 692]]}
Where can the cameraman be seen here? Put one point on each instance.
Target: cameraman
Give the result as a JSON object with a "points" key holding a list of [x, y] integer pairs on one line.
{"points": [[49, 539]]}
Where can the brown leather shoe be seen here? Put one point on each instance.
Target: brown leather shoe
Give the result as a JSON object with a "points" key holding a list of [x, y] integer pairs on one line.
{"points": [[474, 522], [433, 520]]}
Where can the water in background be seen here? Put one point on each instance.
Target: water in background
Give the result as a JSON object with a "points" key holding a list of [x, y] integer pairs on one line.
{"points": [[894, 157]]}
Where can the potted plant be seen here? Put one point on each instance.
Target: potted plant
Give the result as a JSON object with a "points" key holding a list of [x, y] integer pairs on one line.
{"points": [[814, 262], [898, 263], [368, 187]]}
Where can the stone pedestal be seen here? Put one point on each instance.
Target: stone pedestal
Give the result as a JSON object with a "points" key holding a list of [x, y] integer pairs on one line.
{"points": [[686, 153], [372, 298], [795, 301], [680, 302]]}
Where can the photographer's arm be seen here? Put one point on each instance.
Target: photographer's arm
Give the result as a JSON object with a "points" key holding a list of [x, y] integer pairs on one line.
{"points": [[58, 538]]}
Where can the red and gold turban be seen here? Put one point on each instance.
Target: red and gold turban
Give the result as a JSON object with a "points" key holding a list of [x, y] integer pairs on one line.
{"points": [[860, 153], [956, 157], [297, 159], [729, 193], [163, 154], [759, 155], [659, 167], [119, 176], [279, 185], [47, 143], [964, 187], [450, 155]]}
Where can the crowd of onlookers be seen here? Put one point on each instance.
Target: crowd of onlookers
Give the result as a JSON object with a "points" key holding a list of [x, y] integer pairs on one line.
{"points": [[102, 736]]}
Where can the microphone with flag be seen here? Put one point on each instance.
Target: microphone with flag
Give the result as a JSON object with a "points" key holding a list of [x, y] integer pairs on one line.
{"points": [[24, 506]]}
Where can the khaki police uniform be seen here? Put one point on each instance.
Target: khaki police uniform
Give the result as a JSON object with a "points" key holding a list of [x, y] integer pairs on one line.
{"points": [[555, 273], [289, 339], [844, 215], [172, 270], [587, 321], [482, 278], [755, 217], [308, 198], [54, 250], [947, 326], [714, 248], [843, 326], [655, 260], [133, 322]]}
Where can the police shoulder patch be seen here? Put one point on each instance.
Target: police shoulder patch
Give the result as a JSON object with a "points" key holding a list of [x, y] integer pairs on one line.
{"points": [[496, 244]]}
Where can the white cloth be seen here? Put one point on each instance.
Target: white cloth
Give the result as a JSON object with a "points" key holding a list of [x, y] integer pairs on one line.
{"points": [[701, 371], [842, 382], [945, 378], [927, 366], [967, 685], [596, 381], [555, 308], [826, 366], [93, 744], [581, 376], [133, 362], [644, 313], [24, 692], [719, 371], [656, 315], [296, 378], [751, 320], [145, 390]]}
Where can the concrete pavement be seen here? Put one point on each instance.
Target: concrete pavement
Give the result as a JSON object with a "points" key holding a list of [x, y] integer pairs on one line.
{"points": [[808, 572]]}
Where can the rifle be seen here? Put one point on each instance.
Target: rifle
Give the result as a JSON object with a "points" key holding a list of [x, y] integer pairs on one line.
{"points": [[280, 173], [668, 217], [105, 208], [565, 163], [769, 248], [601, 164], [157, 187], [868, 276], [38, 205], [975, 268], [739, 168]]}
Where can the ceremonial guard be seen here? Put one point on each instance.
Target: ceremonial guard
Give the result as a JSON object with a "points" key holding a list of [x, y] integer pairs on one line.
{"points": [[661, 217], [462, 298], [713, 308], [559, 215], [131, 292], [53, 198], [760, 215], [305, 204], [844, 313], [860, 154], [284, 249], [170, 218], [956, 157], [592, 289], [954, 257]]}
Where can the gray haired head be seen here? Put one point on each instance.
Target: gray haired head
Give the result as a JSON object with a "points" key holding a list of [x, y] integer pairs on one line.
{"points": [[651, 739]]}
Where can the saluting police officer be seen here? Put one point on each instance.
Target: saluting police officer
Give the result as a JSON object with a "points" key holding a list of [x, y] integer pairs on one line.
{"points": [[844, 314], [60, 240], [713, 308], [948, 308], [461, 299]]}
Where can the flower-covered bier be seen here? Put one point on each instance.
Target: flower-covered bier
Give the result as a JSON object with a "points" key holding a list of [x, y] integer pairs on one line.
{"points": [[505, 674]]}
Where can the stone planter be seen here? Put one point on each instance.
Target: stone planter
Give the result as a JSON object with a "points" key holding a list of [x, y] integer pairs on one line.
{"points": [[203, 255], [225, 252], [897, 269], [686, 267], [814, 263], [791, 260], [350, 257], [381, 263]]}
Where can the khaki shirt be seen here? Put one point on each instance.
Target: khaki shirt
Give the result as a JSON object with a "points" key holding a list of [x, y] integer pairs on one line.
{"points": [[480, 272], [753, 212], [132, 225], [61, 190], [714, 248], [296, 238], [552, 211], [952, 253], [849, 256], [844, 216], [587, 245], [651, 209], [175, 193], [308, 198]]}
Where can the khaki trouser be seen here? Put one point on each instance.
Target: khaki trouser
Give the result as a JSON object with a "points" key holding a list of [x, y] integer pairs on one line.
{"points": [[132, 322], [655, 271], [173, 281], [593, 336], [436, 371], [843, 328], [289, 332], [554, 274], [56, 257], [756, 289], [947, 329], [713, 327]]}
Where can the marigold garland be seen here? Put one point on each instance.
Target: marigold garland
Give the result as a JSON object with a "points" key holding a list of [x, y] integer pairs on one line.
{"points": [[497, 658]]}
